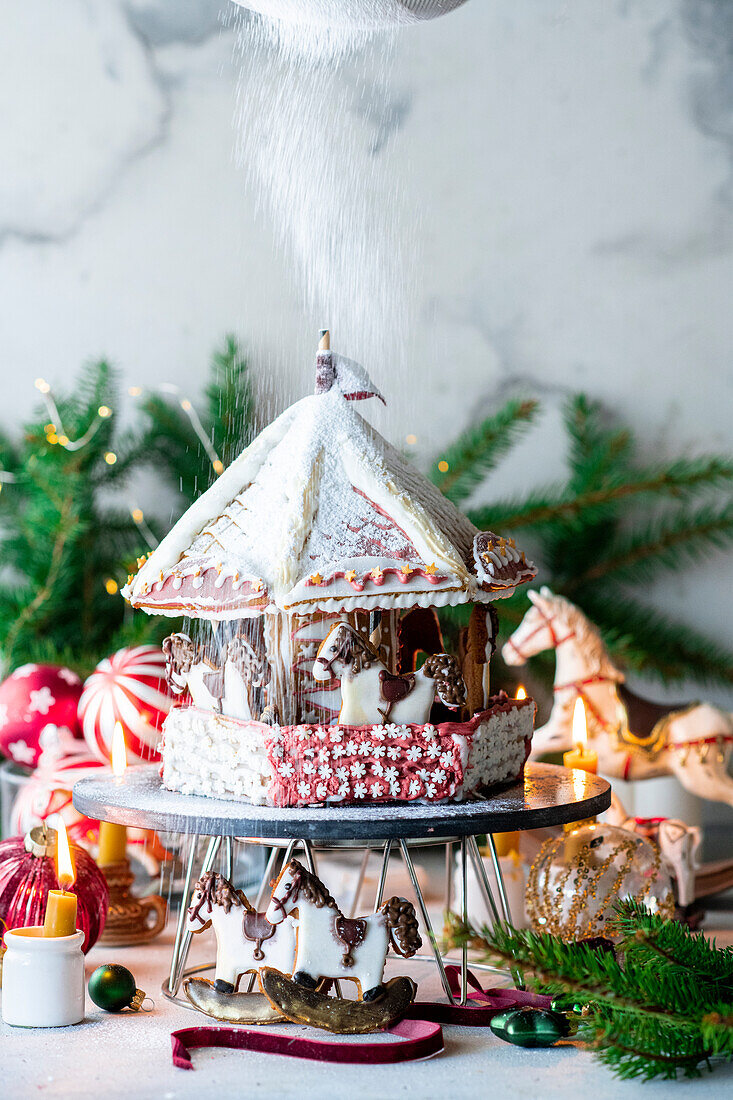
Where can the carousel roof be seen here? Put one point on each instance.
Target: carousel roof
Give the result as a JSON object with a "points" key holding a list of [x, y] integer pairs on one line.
{"points": [[320, 513]]}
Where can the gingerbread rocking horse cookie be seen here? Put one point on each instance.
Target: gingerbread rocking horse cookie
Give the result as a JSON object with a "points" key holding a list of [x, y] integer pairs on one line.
{"points": [[330, 946], [246, 942]]}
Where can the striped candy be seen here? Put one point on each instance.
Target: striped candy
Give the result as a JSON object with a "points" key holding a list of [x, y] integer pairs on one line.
{"points": [[128, 687]]}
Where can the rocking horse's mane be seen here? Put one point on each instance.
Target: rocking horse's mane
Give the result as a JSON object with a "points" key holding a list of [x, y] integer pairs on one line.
{"points": [[352, 647], [216, 890], [310, 887], [586, 634]]}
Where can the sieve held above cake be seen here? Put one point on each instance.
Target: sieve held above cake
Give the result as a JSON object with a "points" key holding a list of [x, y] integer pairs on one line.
{"points": [[312, 568]]}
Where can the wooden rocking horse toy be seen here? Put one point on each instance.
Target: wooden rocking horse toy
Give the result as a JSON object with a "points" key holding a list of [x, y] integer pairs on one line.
{"points": [[372, 694], [634, 738]]}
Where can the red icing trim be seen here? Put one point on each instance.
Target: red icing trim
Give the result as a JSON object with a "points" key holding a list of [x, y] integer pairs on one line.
{"points": [[358, 585]]}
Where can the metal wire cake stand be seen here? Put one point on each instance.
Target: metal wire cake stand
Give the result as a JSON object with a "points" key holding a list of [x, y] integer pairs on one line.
{"points": [[548, 795]]}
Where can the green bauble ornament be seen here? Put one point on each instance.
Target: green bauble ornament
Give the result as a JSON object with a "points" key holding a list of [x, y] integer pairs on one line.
{"points": [[113, 988], [529, 1027], [567, 1002]]}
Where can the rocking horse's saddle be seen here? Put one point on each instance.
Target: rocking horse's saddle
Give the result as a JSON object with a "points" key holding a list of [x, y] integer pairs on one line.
{"points": [[256, 927], [393, 688], [646, 721], [214, 682], [351, 933]]}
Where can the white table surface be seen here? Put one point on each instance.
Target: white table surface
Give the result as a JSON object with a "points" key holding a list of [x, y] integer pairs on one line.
{"points": [[130, 1056]]}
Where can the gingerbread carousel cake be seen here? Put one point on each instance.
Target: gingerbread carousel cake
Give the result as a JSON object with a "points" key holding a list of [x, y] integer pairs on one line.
{"points": [[316, 674]]}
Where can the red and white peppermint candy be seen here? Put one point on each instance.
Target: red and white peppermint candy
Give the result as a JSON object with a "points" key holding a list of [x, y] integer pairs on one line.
{"points": [[129, 687]]}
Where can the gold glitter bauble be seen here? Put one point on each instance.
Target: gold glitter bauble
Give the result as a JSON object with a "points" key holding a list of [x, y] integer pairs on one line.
{"points": [[576, 879]]}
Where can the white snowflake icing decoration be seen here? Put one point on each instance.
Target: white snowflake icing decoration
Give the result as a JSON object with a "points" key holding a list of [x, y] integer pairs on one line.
{"points": [[309, 767], [304, 790], [338, 751], [430, 790], [439, 775], [351, 748], [342, 774], [360, 790], [446, 760], [335, 735], [413, 753], [429, 731], [377, 769], [365, 749], [378, 750], [286, 769], [433, 750], [391, 774], [325, 771], [394, 790], [23, 671], [358, 769], [376, 790], [321, 791], [324, 756], [415, 786], [378, 733], [393, 752]]}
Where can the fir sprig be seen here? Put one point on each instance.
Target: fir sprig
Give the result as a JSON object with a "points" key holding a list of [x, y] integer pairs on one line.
{"points": [[478, 449], [611, 527], [660, 1005]]}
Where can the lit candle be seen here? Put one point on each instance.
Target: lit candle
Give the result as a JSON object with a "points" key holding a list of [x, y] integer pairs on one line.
{"points": [[581, 756], [60, 917], [113, 837]]}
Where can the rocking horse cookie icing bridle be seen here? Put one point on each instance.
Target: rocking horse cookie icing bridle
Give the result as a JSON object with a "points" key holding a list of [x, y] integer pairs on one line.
{"points": [[547, 621]]}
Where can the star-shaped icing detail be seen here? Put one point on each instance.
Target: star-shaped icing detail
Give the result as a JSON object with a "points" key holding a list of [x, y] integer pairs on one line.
{"points": [[258, 585], [350, 575], [430, 569], [377, 573], [406, 570], [316, 578]]}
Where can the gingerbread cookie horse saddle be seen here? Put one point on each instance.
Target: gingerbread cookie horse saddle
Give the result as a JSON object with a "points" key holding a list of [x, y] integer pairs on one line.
{"points": [[351, 933], [256, 928]]}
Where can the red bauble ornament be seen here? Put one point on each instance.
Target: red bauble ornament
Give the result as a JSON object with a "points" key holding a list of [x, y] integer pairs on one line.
{"points": [[63, 760], [32, 698], [25, 880], [128, 687]]}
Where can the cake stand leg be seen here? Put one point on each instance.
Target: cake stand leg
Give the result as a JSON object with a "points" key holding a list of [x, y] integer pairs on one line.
{"points": [[309, 856], [478, 865], [183, 938], [464, 897], [448, 876], [499, 880], [426, 919], [229, 857], [359, 883], [267, 877], [383, 874]]}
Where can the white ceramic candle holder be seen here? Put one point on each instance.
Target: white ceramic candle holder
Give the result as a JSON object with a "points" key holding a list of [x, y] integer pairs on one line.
{"points": [[43, 979]]}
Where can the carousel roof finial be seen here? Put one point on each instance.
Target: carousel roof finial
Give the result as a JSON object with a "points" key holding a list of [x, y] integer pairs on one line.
{"points": [[325, 366]]}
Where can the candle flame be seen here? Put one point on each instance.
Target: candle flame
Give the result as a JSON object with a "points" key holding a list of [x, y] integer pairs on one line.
{"points": [[521, 693], [580, 725], [119, 751], [65, 872]]}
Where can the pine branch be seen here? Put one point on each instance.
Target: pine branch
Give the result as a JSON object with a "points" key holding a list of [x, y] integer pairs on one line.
{"points": [[595, 450], [643, 639], [478, 449], [552, 505]]}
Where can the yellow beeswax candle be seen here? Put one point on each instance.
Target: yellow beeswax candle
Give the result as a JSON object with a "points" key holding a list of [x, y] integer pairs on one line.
{"points": [[581, 756], [113, 837], [60, 919]]}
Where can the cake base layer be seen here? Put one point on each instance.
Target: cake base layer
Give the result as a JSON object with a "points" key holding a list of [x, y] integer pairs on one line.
{"points": [[210, 754]]}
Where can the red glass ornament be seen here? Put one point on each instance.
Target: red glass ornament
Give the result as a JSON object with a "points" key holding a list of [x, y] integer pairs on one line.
{"points": [[35, 698], [25, 880]]}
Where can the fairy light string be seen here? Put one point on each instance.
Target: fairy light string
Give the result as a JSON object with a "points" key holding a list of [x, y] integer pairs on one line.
{"points": [[57, 436]]}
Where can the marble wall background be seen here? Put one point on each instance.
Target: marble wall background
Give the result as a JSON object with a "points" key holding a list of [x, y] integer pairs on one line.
{"points": [[566, 171]]}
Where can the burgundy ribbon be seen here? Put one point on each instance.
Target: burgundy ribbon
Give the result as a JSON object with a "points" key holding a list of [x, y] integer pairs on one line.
{"points": [[418, 1036]]}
